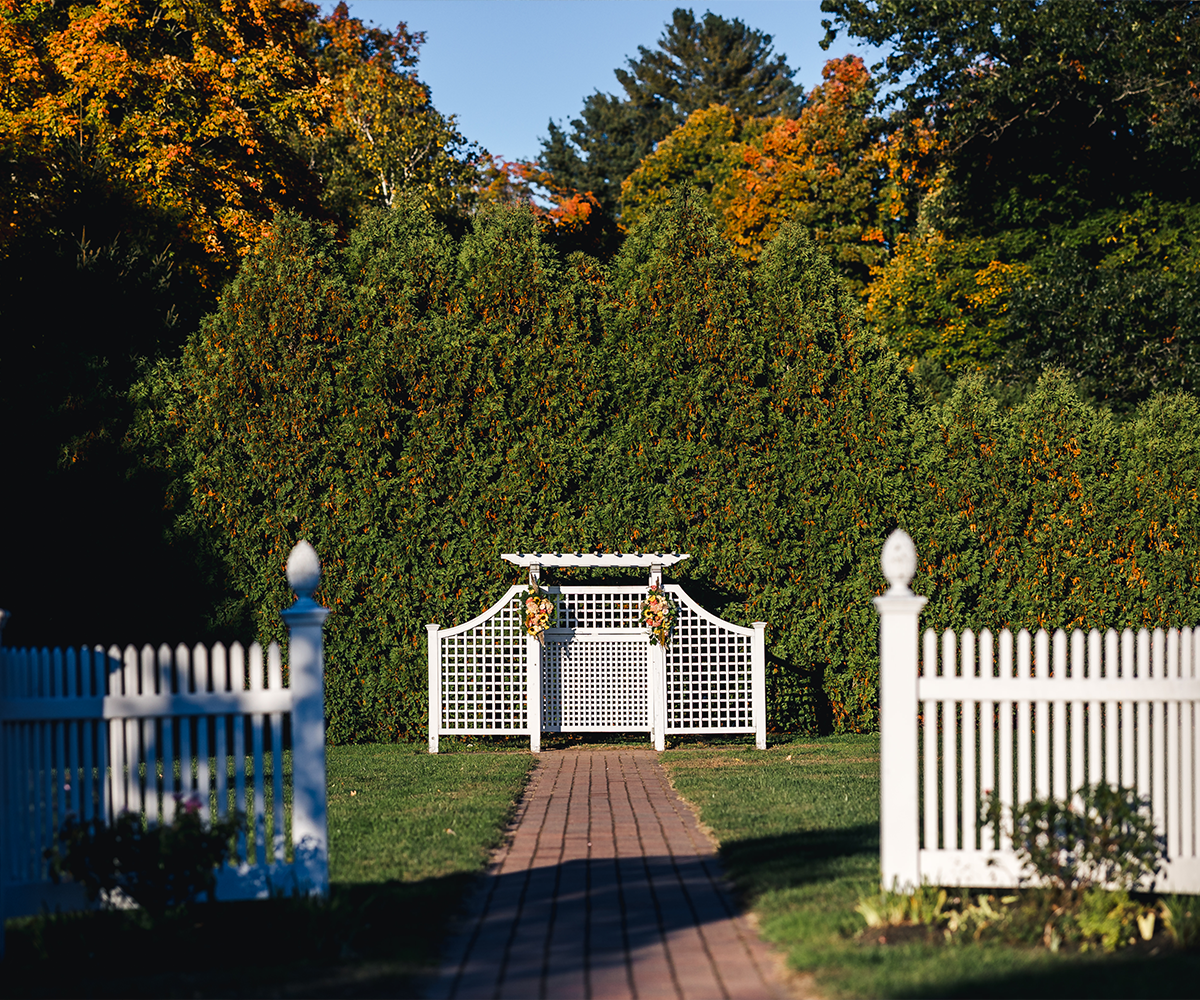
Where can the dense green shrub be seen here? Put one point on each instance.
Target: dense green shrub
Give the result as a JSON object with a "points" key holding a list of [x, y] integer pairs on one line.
{"points": [[416, 403]]}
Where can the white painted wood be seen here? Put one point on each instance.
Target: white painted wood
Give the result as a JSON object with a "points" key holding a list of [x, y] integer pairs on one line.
{"points": [[929, 756], [1081, 708], [1112, 774], [258, 821], [970, 868], [436, 717], [717, 656], [310, 824], [987, 736], [1128, 671], [240, 803], [758, 660], [970, 798], [533, 682], [221, 759], [278, 839], [949, 751], [1024, 728], [1058, 711], [596, 560]]}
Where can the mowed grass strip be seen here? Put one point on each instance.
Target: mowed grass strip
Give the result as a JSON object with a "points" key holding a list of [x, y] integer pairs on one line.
{"points": [[798, 826], [397, 878]]}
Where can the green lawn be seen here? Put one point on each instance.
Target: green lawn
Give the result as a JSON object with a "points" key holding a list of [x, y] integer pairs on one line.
{"points": [[799, 831], [397, 875]]}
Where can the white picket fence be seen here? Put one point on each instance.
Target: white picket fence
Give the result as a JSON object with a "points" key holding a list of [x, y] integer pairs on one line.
{"points": [[91, 733], [1026, 716]]}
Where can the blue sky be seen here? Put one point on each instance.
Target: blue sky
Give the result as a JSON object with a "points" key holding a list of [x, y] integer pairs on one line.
{"points": [[505, 67]]}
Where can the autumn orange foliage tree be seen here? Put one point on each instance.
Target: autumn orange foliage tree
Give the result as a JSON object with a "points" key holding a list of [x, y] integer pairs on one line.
{"points": [[822, 169], [187, 105]]}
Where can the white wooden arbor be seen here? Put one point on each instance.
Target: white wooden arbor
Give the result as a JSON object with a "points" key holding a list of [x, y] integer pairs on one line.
{"points": [[594, 669]]}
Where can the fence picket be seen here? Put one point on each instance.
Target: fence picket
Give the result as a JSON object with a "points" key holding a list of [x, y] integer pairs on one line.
{"points": [[929, 710], [220, 733], [1024, 728], [949, 733], [256, 731], [987, 736], [1078, 740], [239, 766], [1006, 750], [1111, 717], [1128, 661], [970, 798], [203, 678], [1143, 718], [277, 822], [1041, 726], [1059, 720], [1174, 786], [1185, 847], [59, 762]]}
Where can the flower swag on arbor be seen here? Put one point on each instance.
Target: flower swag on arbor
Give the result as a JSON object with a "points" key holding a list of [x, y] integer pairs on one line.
{"points": [[658, 616], [539, 609]]}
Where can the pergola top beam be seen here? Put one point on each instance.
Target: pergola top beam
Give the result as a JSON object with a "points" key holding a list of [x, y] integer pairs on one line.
{"points": [[597, 560]]}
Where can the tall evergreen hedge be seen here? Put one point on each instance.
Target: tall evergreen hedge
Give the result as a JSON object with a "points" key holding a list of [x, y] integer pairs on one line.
{"points": [[415, 404]]}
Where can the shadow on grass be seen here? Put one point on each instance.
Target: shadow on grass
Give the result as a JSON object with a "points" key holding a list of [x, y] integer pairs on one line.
{"points": [[763, 864], [366, 940]]}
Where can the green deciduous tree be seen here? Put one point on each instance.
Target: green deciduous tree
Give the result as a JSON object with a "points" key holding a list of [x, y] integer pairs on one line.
{"points": [[1070, 131], [383, 134]]}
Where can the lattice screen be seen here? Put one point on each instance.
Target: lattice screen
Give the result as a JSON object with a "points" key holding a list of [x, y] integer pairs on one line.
{"points": [[484, 673], [708, 676], [615, 608], [595, 684]]}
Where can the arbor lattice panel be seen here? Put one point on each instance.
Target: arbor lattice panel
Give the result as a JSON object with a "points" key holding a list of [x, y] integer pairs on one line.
{"points": [[595, 669], [485, 673], [709, 675]]}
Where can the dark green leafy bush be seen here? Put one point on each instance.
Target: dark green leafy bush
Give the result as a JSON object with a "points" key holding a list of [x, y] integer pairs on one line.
{"points": [[160, 867], [416, 403]]}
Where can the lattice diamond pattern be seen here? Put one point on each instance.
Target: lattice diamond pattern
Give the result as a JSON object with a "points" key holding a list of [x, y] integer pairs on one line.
{"points": [[619, 609], [484, 674], [595, 685], [708, 677]]}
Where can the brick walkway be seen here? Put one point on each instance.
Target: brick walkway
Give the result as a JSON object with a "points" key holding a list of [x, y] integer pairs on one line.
{"points": [[607, 888]]}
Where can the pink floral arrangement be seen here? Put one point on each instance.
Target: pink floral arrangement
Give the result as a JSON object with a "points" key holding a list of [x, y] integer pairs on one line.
{"points": [[658, 616], [539, 609]]}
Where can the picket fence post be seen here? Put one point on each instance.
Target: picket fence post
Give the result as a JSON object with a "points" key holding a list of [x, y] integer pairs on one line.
{"points": [[434, 660], [758, 683], [899, 817], [305, 620]]}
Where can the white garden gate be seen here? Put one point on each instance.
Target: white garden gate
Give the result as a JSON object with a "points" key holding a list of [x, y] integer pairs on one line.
{"points": [[962, 715], [594, 669], [91, 733]]}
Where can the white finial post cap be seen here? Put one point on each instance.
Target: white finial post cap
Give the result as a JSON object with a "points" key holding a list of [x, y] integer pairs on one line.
{"points": [[303, 569], [899, 562]]}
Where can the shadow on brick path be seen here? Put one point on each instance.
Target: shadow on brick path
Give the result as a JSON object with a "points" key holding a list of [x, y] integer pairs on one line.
{"points": [[607, 887]]}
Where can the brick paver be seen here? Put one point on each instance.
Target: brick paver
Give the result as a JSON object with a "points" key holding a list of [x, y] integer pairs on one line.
{"points": [[607, 888]]}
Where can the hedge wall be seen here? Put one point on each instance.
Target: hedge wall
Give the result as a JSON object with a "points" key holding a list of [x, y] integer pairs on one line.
{"points": [[415, 404]]}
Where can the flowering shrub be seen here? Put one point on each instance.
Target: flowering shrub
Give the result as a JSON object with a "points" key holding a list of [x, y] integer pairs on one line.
{"points": [[539, 609], [658, 615], [160, 867], [1103, 837]]}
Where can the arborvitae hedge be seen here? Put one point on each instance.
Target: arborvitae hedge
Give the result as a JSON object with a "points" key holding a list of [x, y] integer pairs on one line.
{"points": [[416, 404]]}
